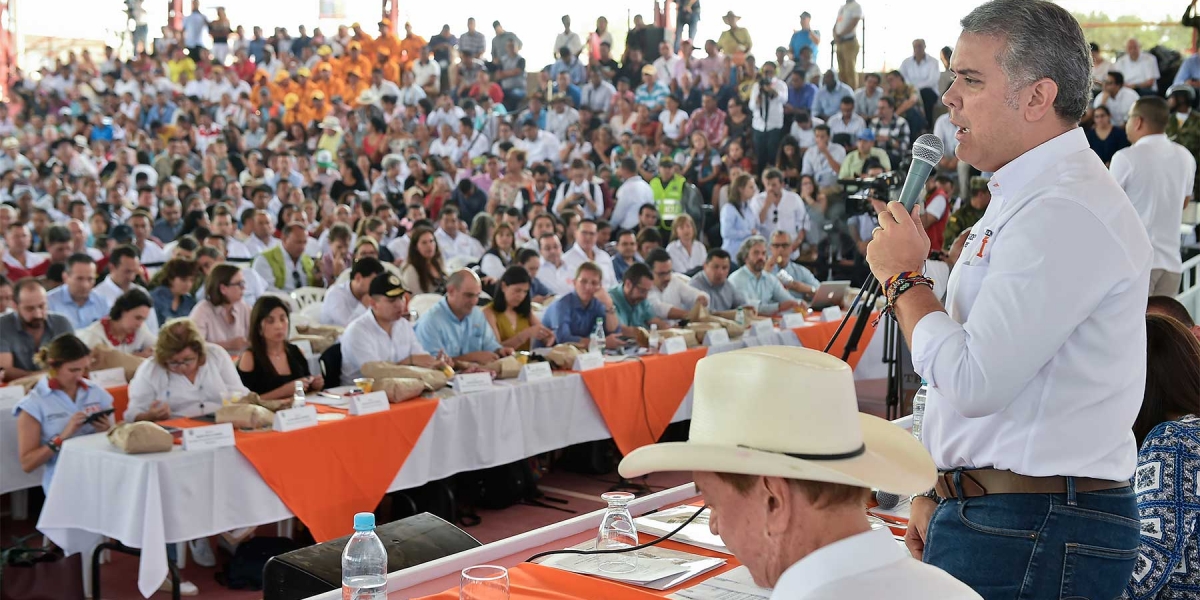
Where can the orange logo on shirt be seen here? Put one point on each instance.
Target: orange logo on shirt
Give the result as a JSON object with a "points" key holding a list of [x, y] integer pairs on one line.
{"points": [[987, 235]]}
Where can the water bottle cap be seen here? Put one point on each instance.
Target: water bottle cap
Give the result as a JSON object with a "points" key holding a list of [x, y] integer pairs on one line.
{"points": [[364, 521]]}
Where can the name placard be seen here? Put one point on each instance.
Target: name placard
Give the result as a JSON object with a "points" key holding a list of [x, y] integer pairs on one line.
{"points": [[762, 327], [365, 404], [588, 361], [673, 345], [833, 313], [466, 383], [751, 341], [715, 337], [208, 438], [295, 418], [793, 320], [106, 378], [535, 371]]}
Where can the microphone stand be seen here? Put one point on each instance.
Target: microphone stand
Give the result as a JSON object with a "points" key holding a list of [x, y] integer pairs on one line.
{"points": [[892, 342]]}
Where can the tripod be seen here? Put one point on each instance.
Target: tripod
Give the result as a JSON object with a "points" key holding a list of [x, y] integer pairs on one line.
{"points": [[893, 342]]}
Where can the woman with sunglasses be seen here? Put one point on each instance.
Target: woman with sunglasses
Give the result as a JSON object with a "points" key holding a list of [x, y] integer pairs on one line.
{"points": [[186, 378]]}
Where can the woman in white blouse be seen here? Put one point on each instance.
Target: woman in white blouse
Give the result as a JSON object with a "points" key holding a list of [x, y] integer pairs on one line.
{"points": [[124, 329], [186, 378], [673, 119], [687, 253]]}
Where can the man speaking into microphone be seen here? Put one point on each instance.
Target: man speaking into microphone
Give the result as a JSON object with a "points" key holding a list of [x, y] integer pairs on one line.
{"points": [[1036, 366]]}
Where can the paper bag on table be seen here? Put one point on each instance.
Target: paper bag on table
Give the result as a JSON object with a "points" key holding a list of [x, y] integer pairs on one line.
{"points": [[702, 329], [111, 358], [271, 405], [377, 370], [562, 356], [399, 389], [689, 336], [142, 437], [506, 368], [246, 415]]}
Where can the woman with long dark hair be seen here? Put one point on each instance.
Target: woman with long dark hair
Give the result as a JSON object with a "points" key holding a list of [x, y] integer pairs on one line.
{"points": [[375, 143], [194, 219], [1168, 431], [273, 364], [500, 252], [738, 222], [510, 312], [352, 180], [423, 272]]}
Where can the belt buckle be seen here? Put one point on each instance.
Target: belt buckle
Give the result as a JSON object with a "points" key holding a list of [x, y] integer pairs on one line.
{"points": [[952, 490]]}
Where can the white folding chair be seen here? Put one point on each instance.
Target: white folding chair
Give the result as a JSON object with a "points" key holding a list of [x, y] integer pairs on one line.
{"points": [[307, 295]]}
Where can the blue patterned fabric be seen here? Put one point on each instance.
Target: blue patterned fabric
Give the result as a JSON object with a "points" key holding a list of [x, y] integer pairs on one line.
{"points": [[1167, 482]]}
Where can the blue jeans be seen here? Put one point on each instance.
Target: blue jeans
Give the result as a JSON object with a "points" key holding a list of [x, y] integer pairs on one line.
{"points": [[1038, 546], [691, 21]]}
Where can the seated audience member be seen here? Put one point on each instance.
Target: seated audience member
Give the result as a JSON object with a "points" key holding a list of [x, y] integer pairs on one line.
{"points": [[27, 329], [799, 281], [124, 327], [626, 253], [272, 365], [761, 289], [124, 267], [713, 280], [78, 300], [456, 326], [555, 273], [586, 250], [6, 295], [383, 333], [452, 241], [647, 218], [1167, 429], [573, 317], [18, 259], [538, 226], [58, 406], [338, 258], [345, 301], [186, 378], [499, 256], [687, 253], [738, 221], [223, 317], [1168, 306], [532, 261], [670, 297], [630, 301], [423, 272], [286, 267], [510, 313], [174, 299]]}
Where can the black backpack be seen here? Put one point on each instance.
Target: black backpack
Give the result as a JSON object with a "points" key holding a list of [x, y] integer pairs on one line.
{"points": [[245, 569]]}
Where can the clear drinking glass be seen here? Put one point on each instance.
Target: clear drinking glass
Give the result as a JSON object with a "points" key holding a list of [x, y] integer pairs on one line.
{"points": [[485, 582], [617, 531]]}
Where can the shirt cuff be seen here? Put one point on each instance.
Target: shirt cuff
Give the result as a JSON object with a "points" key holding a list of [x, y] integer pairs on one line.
{"points": [[930, 332]]}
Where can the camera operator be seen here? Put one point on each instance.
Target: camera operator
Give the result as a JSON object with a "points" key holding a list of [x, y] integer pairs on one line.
{"points": [[766, 106]]}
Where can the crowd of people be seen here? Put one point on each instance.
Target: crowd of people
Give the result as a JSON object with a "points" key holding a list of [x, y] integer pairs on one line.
{"points": [[167, 204]]}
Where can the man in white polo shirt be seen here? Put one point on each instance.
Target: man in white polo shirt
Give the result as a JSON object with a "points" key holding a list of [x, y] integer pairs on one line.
{"points": [[383, 333], [1157, 175], [1139, 68], [1117, 98], [585, 250], [555, 273], [345, 301], [1036, 366]]}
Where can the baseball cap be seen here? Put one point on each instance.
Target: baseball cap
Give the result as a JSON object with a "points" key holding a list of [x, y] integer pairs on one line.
{"points": [[325, 159], [388, 286], [866, 135], [122, 233]]}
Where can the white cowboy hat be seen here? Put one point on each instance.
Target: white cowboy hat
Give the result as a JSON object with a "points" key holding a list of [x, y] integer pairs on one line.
{"points": [[788, 412], [332, 123]]}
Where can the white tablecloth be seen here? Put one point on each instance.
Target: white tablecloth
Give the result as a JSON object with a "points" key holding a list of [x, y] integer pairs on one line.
{"points": [[12, 478], [148, 501]]}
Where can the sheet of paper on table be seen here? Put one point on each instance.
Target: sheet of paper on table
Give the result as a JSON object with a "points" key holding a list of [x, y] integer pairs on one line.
{"points": [[696, 533], [733, 585], [657, 568]]}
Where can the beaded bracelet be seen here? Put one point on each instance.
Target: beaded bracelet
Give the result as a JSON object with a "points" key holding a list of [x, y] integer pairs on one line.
{"points": [[903, 275], [897, 286]]}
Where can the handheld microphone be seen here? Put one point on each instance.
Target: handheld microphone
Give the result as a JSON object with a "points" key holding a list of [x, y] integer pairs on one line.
{"points": [[926, 153], [886, 500]]}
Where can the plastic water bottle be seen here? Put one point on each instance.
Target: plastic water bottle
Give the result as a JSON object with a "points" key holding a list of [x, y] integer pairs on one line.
{"points": [[298, 395], [364, 562], [741, 316], [653, 336], [918, 414], [596, 345]]}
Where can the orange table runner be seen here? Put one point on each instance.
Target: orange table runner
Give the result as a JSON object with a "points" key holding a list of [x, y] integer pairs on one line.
{"points": [[325, 474], [120, 396], [816, 334], [637, 398], [529, 581]]}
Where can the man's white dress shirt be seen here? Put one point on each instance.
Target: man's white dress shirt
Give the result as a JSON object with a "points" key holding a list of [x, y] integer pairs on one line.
{"points": [[678, 294], [365, 341], [922, 74], [459, 245], [1118, 105], [1039, 367], [773, 119], [574, 257], [1157, 175], [340, 307], [793, 216], [867, 565], [561, 279], [1138, 71], [293, 272], [633, 194]]}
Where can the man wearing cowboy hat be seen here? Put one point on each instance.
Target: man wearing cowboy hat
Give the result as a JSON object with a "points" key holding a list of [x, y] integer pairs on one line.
{"points": [[735, 39], [1029, 413], [786, 475]]}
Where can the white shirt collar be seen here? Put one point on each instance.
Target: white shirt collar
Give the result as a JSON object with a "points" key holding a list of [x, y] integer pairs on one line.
{"points": [[1011, 178], [843, 559], [1151, 139]]}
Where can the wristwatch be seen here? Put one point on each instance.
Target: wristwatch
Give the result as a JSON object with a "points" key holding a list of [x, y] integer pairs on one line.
{"points": [[931, 494], [55, 443]]}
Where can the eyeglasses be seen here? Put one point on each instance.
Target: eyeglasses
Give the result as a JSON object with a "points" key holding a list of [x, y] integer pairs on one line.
{"points": [[179, 364]]}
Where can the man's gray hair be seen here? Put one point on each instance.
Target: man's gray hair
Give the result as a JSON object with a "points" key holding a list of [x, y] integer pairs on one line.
{"points": [[1042, 41], [751, 242]]}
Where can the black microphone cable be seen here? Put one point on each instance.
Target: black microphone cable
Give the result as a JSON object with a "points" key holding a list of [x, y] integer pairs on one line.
{"points": [[622, 550]]}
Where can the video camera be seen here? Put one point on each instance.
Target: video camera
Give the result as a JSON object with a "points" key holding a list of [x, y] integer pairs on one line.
{"points": [[860, 191]]}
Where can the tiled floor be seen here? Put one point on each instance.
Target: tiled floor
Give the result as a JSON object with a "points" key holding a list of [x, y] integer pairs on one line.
{"points": [[582, 494]]}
